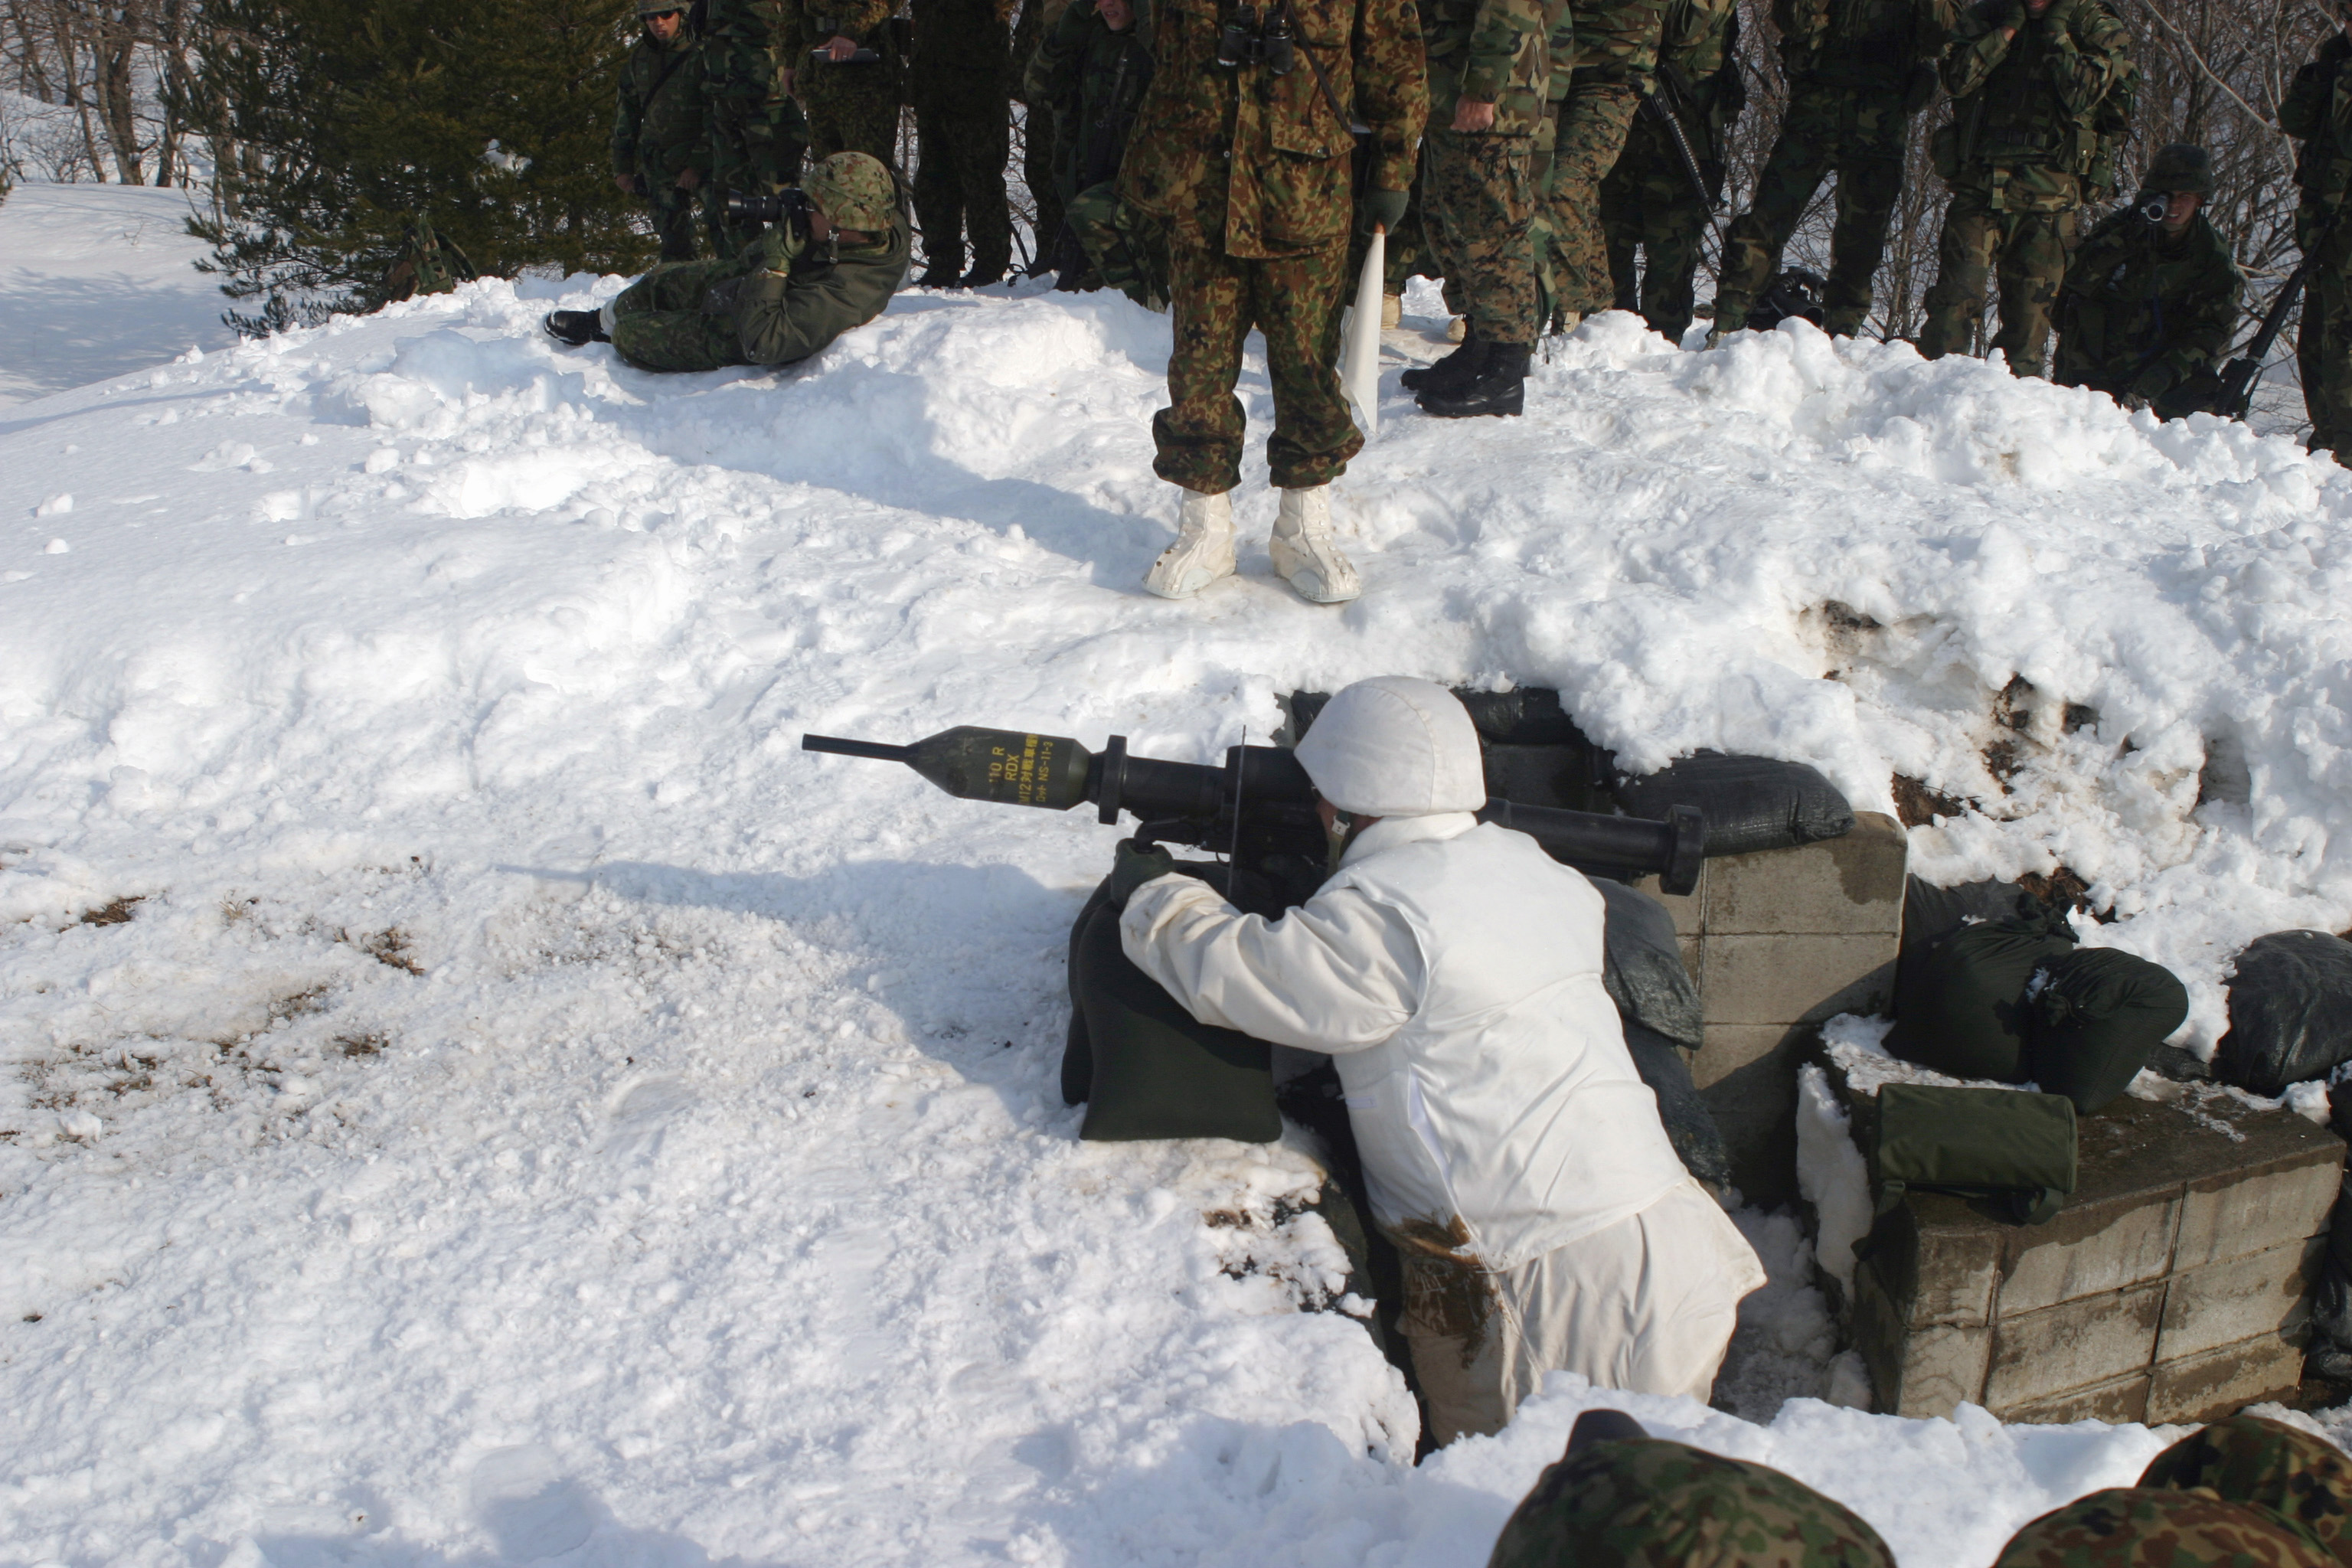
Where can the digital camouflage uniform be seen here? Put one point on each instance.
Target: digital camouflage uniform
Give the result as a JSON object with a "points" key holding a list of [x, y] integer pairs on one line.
{"points": [[1649, 1503], [1089, 82], [1648, 203], [657, 133], [785, 298], [2022, 137], [1614, 55], [2124, 1527], [962, 84], [1857, 71], [1477, 198], [1250, 171], [2318, 111], [851, 108], [755, 132], [2305, 1480], [2148, 317]]}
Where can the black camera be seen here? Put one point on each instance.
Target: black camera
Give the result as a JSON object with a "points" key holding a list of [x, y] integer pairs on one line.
{"points": [[789, 206], [1249, 41], [2150, 205]]}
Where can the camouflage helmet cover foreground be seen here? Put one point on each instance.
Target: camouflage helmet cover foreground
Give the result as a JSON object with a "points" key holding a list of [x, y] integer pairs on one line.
{"points": [[852, 189]]}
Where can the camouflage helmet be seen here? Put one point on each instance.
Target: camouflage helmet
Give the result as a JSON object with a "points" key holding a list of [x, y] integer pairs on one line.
{"points": [[1645, 1502], [2306, 1481], [2135, 1527], [854, 189], [657, 7], [2181, 168]]}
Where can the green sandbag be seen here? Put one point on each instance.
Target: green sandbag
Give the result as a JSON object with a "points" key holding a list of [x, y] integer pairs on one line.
{"points": [[2093, 1021], [1964, 1011], [1147, 1068], [2004, 1144]]}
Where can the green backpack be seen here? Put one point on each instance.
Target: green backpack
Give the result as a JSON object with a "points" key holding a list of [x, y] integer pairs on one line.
{"points": [[2013, 1148]]}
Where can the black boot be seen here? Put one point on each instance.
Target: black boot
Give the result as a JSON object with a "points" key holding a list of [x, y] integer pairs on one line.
{"points": [[1459, 365], [941, 278], [1500, 386], [575, 329]]}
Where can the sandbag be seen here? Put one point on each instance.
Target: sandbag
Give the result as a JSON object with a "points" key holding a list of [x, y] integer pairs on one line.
{"points": [[2092, 1020], [1689, 1124], [1965, 1012], [2290, 1012], [2013, 1148], [1749, 803], [1641, 966]]}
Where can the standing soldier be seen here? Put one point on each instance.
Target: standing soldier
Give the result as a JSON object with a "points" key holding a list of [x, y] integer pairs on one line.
{"points": [[843, 58], [1037, 156], [657, 147], [756, 132], [961, 81], [2318, 111], [1649, 202], [1489, 69], [1242, 149], [2150, 303], [2028, 80], [1088, 81], [1615, 55], [1857, 71]]}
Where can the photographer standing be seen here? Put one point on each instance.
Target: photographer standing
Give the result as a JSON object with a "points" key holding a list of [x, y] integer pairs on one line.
{"points": [[1242, 148], [2151, 302]]}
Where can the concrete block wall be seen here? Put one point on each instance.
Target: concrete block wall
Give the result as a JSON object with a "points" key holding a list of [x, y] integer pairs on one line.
{"points": [[2172, 1287], [1778, 942]]}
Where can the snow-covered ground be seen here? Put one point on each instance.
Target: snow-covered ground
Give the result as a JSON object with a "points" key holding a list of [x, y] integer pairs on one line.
{"points": [[475, 1093], [96, 281]]}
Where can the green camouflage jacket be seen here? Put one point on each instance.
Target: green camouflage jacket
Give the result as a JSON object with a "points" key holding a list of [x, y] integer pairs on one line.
{"points": [[1889, 46], [2024, 121], [804, 294], [1495, 51], [2141, 313], [1091, 80], [962, 39], [741, 56], [2318, 111], [808, 22], [658, 131], [1260, 162], [1699, 72], [1617, 41]]}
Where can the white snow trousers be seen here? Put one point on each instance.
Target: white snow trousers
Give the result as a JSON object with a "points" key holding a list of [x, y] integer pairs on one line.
{"points": [[1646, 1304]]}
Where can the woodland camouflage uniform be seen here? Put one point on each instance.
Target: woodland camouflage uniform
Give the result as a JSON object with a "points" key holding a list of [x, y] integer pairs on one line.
{"points": [[2318, 111], [1647, 202], [754, 130], [1038, 160], [962, 84], [1089, 82], [2022, 138], [1614, 57], [1857, 71], [658, 132], [851, 108], [1477, 196], [2147, 316], [1251, 174]]}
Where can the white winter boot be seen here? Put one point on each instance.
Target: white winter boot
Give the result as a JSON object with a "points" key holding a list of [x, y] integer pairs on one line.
{"points": [[1305, 553], [1203, 550]]}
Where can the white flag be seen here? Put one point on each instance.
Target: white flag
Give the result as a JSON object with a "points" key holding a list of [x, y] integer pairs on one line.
{"points": [[1359, 352]]}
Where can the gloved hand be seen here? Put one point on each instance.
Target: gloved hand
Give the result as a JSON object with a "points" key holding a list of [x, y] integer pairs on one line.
{"points": [[1384, 209], [1132, 868]]}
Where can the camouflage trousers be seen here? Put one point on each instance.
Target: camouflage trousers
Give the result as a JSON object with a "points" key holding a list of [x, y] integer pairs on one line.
{"points": [[672, 212], [851, 109], [1295, 302], [1594, 120], [1478, 203], [1125, 248], [1410, 254], [758, 154], [658, 324], [1037, 174], [962, 142], [1647, 206], [1857, 135], [2030, 250], [2323, 344]]}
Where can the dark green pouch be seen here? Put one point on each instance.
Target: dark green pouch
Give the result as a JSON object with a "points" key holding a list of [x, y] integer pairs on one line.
{"points": [[2093, 1021], [2014, 1148]]}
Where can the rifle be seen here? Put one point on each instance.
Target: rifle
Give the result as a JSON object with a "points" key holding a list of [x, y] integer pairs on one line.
{"points": [[2237, 392], [1668, 115], [1260, 805]]}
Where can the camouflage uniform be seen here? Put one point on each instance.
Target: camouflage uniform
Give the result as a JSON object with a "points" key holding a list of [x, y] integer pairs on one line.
{"points": [[429, 263], [851, 108], [1250, 171], [1037, 157], [785, 298], [1857, 71], [2303, 1480], [657, 133], [754, 130], [1647, 202], [2318, 111], [2019, 143], [1649, 1503], [1476, 196], [1088, 82], [961, 85], [2146, 316], [1615, 55], [2124, 1527]]}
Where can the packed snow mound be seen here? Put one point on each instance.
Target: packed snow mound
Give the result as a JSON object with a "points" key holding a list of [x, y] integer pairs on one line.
{"points": [[473, 1089]]}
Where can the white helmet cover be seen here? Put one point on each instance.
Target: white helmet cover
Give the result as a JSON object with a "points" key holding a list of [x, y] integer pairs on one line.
{"points": [[1394, 746]]}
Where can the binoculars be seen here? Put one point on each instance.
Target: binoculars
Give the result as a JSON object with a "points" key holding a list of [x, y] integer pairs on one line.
{"points": [[1249, 40]]}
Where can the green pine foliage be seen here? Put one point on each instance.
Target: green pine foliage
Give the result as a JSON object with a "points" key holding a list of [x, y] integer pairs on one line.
{"points": [[350, 119]]}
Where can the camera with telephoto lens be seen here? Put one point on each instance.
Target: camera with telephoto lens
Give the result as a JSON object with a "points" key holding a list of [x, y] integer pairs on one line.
{"points": [[1249, 41], [789, 206], [2150, 205]]}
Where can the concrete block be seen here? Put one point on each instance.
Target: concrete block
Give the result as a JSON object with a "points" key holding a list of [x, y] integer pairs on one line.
{"points": [[2073, 1345], [1914, 1371], [2209, 1386], [2116, 1400], [1689, 910], [1785, 979], [2088, 1250], [1938, 1262], [2239, 1299], [1851, 885], [1728, 1048], [1755, 1108], [2266, 1203]]}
